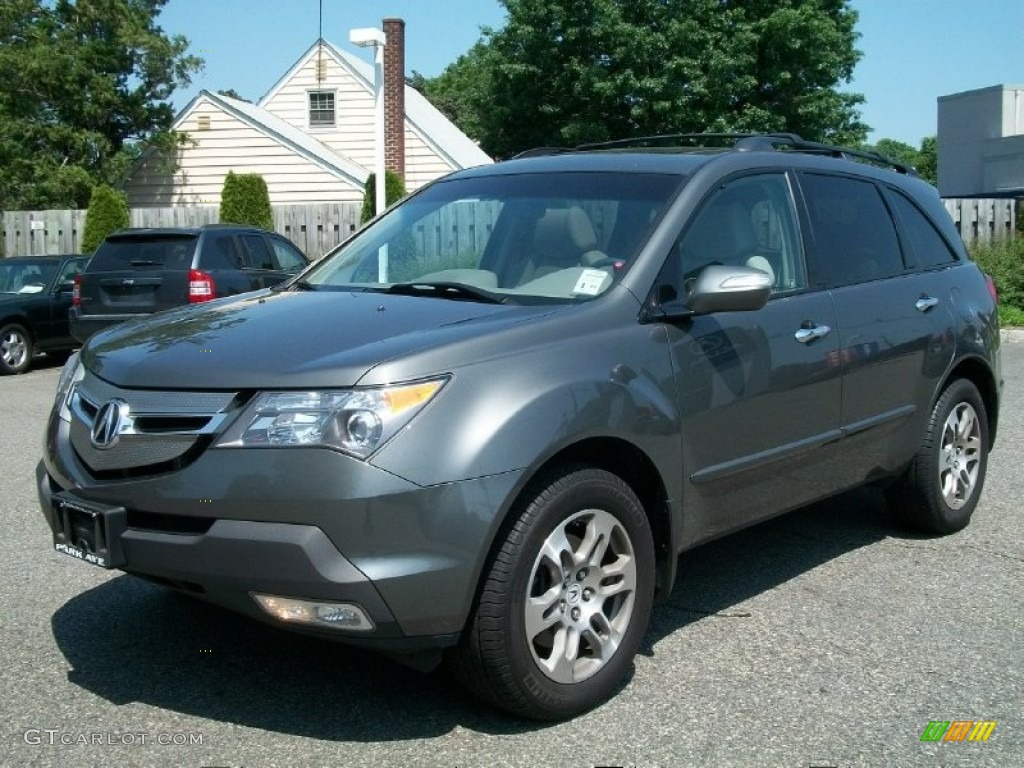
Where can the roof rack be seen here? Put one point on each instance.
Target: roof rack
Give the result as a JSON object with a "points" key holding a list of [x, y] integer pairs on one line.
{"points": [[743, 142], [666, 139], [792, 142], [542, 151]]}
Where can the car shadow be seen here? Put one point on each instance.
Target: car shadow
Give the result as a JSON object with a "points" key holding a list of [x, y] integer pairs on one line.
{"points": [[716, 577], [128, 641]]}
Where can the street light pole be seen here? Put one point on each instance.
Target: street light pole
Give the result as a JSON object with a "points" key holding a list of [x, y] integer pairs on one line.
{"points": [[371, 37]]}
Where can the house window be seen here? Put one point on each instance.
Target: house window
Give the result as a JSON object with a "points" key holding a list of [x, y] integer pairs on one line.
{"points": [[321, 108]]}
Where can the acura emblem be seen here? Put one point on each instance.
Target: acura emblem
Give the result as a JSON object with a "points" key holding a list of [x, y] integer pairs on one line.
{"points": [[106, 428]]}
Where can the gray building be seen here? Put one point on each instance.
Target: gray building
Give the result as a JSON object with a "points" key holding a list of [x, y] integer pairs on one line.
{"points": [[981, 142]]}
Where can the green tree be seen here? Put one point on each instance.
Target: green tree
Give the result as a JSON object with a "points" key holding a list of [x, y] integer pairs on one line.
{"points": [[108, 212], [461, 90], [923, 160], [928, 159], [85, 86], [896, 150], [394, 190], [245, 200], [562, 72]]}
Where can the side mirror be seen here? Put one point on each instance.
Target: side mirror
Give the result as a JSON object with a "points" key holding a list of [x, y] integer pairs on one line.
{"points": [[717, 288], [66, 286]]}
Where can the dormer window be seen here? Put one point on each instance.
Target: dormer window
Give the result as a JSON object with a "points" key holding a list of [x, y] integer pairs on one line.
{"points": [[321, 109]]}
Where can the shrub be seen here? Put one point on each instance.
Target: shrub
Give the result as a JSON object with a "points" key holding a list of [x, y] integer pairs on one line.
{"points": [[245, 200], [394, 190], [1004, 261], [108, 212]]}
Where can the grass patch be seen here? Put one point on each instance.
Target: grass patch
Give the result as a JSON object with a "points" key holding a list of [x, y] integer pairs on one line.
{"points": [[1010, 316]]}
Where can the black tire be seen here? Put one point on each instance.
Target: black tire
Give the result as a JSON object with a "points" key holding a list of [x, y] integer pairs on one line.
{"points": [[15, 349], [515, 667], [941, 488]]}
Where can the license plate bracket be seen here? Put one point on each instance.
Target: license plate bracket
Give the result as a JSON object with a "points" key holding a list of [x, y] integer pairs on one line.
{"points": [[89, 532]]}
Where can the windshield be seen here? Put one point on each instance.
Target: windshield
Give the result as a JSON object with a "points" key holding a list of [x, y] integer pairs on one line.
{"points": [[548, 237], [25, 276]]}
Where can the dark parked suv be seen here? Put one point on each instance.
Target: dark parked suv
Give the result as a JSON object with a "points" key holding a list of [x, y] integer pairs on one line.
{"points": [[488, 424], [136, 272], [35, 295]]}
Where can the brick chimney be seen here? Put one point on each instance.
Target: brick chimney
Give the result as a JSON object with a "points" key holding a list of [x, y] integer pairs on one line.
{"points": [[394, 96]]}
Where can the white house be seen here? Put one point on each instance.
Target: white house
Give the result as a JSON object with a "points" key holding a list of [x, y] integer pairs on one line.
{"points": [[311, 136]]}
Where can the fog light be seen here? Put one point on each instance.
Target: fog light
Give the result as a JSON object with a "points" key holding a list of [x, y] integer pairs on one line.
{"points": [[345, 616]]}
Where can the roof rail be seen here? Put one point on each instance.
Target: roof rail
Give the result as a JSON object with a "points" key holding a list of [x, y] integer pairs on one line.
{"points": [[793, 142], [542, 151], [663, 140], [743, 142]]}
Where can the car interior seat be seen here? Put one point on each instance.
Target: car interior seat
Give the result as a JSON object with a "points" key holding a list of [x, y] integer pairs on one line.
{"points": [[562, 238]]}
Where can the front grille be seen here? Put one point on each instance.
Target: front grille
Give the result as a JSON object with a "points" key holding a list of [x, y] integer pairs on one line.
{"points": [[158, 431]]}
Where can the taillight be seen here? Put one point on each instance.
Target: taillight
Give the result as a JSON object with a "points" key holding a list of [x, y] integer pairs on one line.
{"points": [[992, 290], [76, 292], [200, 286]]}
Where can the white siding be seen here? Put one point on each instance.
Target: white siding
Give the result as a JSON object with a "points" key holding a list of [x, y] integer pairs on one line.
{"points": [[232, 145], [353, 135], [422, 163]]}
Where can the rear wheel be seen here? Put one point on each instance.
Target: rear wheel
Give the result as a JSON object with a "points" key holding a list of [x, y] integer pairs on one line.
{"points": [[941, 488], [15, 349], [566, 601]]}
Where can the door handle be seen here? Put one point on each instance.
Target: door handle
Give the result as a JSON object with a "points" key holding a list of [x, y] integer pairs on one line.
{"points": [[925, 303], [807, 335]]}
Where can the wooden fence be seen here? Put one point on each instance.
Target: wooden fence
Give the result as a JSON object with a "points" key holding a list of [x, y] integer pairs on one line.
{"points": [[982, 220], [314, 228]]}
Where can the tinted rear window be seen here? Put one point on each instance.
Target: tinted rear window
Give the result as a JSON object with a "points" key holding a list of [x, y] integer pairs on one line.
{"points": [[854, 236], [166, 253]]}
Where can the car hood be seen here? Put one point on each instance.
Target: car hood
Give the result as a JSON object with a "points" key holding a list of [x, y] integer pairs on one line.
{"points": [[286, 339]]}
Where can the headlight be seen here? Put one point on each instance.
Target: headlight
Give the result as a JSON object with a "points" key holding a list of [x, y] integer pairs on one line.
{"points": [[70, 374], [354, 421]]}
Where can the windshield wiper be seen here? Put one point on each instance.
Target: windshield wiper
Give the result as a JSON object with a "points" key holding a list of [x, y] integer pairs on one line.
{"points": [[293, 285], [446, 290]]}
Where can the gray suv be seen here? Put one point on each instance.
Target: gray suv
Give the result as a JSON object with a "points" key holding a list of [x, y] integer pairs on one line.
{"points": [[488, 424]]}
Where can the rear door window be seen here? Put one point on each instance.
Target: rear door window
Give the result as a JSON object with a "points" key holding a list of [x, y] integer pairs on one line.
{"points": [[221, 251], [257, 254], [854, 238]]}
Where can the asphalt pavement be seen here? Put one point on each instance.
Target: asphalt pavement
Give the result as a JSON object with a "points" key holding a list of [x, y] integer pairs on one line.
{"points": [[827, 637]]}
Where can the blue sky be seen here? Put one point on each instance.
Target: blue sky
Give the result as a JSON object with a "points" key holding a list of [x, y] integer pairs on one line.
{"points": [[914, 50]]}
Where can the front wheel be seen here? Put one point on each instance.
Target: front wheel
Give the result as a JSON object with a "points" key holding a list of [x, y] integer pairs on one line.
{"points": [[941, 488], [15, 349], [566, 601]]}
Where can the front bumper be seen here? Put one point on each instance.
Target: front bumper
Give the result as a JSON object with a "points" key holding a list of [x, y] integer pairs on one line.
{"points": [[303, 523]]}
